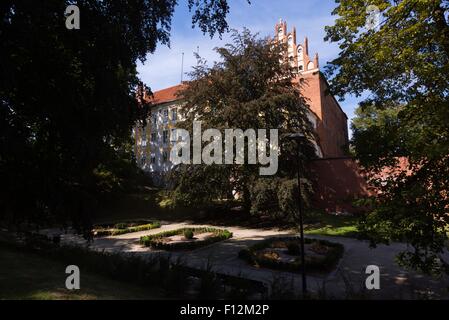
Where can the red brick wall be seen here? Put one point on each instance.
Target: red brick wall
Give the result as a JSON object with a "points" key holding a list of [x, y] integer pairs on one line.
{"points": [[337, 183], [333, 124]]}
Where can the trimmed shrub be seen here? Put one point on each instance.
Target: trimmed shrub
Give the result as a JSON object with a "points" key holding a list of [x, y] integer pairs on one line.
{"points": [[155, 241], [313, 263], [122, 228], [188, 234]]}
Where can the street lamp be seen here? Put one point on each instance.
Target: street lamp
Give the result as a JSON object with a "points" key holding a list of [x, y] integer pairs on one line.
{"points": [[298, 137]]}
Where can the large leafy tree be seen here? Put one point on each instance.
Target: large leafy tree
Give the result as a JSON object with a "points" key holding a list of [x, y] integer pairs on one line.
{"points": [[250, 87], [402, 64], [68, 97]]}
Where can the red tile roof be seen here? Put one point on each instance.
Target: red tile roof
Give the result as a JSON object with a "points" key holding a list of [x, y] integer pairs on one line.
{"points": [[167, 95]]}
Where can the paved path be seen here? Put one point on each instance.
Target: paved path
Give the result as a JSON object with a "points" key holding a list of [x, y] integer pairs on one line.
{"points": [[348, 280]]}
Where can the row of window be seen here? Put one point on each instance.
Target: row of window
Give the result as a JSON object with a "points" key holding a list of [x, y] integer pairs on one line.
{"points": [[164, 114], [153, 158], [165, 136]]}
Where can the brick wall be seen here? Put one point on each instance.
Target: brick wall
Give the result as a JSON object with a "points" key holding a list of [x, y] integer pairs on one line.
{"points": [[332, 126], [337, 183]]}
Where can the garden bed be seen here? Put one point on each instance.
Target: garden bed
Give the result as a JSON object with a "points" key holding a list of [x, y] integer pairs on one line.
{"points": [[185, 238], [284, 254], [124, 227]]}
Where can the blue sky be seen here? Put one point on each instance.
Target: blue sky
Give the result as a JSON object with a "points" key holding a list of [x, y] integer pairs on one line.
{"points": [[163, 68]]}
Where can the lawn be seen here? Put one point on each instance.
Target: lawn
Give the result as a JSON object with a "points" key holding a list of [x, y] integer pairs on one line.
{"points": [[320, 223], [29, 276]]}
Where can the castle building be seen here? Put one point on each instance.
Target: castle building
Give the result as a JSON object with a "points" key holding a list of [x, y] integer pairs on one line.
{"points": [[153, 143]]}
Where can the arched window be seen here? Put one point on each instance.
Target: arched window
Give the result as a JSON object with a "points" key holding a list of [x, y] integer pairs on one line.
{"points": [[280, 33], [300, 57], [300, 53], [310, 66]]}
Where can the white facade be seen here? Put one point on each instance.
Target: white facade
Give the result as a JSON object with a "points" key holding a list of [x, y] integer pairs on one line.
{"points": [[154, 142]]}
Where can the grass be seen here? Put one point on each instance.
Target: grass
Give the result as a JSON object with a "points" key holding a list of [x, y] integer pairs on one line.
{"points": [[320, 223], [25, 275]]}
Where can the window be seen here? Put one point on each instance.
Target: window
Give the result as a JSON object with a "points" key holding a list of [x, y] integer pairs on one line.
{"points": [[300, 54], [153, 159], [143, 138], [165, 156], [153, 137], [165, 116], [174, 115], [143, 161], [165, 136], [280, 33], [154, 119], [290, 41], [173, 136]]}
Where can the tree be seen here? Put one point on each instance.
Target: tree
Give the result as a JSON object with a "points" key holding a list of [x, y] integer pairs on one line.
{"points": [[247, 89], [403, 64], [68, 98]]}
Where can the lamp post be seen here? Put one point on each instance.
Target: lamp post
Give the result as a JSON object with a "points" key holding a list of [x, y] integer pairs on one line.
{"points": [[298, 137]]}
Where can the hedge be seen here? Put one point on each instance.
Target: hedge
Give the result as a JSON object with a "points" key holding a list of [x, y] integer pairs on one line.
{"points": [[154, 242], [119, 231], [325, 264]]}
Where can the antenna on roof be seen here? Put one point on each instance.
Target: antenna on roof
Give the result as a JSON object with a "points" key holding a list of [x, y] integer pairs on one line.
{"points": [[182, 66]]}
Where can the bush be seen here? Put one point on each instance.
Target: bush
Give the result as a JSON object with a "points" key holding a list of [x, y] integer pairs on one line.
{"points": [[278, 197], [155, 240], [188, 234], [316, 264], [122, 228]]}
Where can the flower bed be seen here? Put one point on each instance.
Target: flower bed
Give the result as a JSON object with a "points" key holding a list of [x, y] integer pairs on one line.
{"points": [[124, 227], [162, 240], [284, 254]]}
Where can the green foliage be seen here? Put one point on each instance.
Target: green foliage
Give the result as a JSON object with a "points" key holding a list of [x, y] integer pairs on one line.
{"points": [[70, 98], [323, 223], [403, 65], [122, 228], [199, 185], [278, 197], [188, 234], [248, 80], [155, 241]]}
